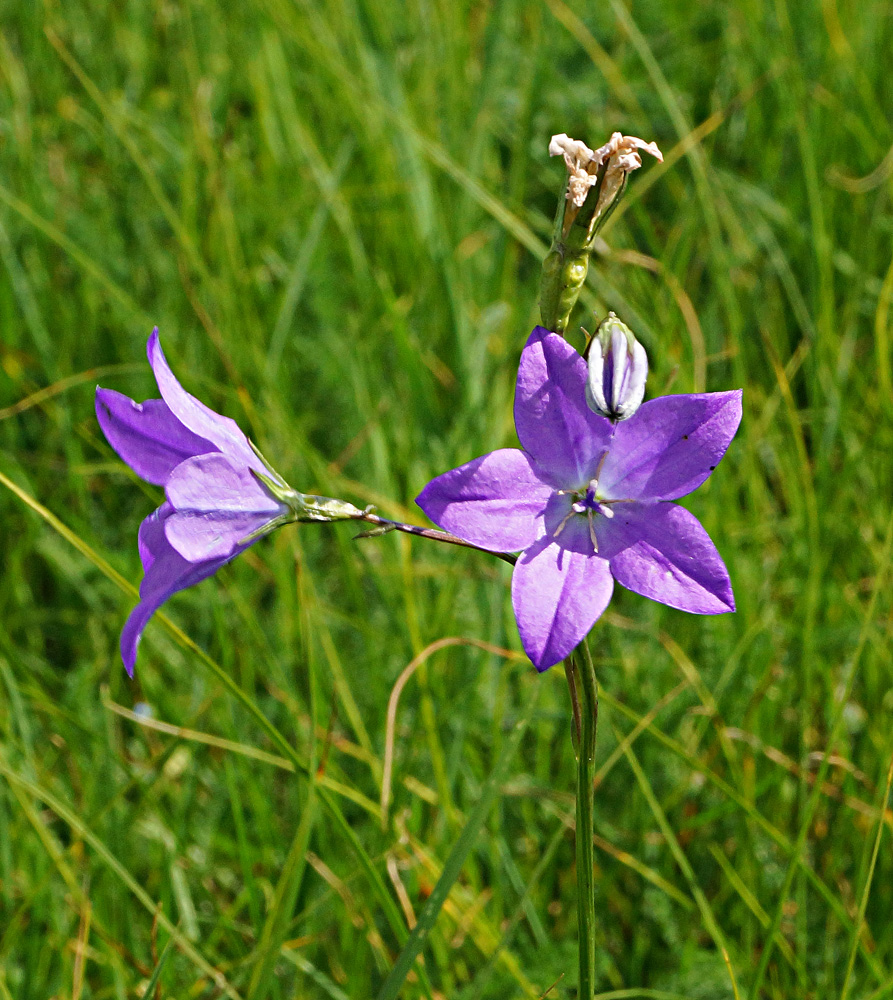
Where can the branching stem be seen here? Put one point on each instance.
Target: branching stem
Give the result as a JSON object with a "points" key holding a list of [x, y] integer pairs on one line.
{"points": [[383, 525]]}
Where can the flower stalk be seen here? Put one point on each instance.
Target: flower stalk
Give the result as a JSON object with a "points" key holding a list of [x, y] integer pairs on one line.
{"points": [[383, 525], [584, 698]]}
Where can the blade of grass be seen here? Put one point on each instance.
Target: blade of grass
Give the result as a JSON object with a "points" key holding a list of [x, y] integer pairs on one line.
{"points": [[283, 904], [156, 972], [750, 901], [243, 750], [476, 987], [310, 970], [116, 121], [757, 817], [27, 300], [696, 157], [301, 268], [882, 338], [63, 385], [391, 910], [863, 902], [74, 251], [639, 994], [816, 794]]}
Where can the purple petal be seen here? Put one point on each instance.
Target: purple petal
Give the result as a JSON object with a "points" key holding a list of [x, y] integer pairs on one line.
{"points": [[216, 535], [212, 483], [166, 572], [670, 446], [147, 436], [493, 501], [661, 551], [557, 595], [200, 419], [555, 425], [150, 537], [215, 507]]}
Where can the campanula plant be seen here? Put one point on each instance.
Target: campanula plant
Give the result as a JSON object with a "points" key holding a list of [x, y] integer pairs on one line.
{"points": [[588, 500]]}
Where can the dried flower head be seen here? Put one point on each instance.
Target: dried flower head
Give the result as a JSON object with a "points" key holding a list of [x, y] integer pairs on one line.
{"points": [[619, 153]]}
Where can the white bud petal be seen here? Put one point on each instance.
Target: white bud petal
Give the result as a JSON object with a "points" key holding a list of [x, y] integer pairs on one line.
{"points": [[618, 369]]}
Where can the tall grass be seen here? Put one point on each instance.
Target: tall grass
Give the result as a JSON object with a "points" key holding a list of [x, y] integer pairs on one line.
{"points": [[335, 214]]}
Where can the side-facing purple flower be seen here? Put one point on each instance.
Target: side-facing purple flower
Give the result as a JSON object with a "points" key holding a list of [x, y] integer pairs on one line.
{"points": [[221, 495], [585, 501]]}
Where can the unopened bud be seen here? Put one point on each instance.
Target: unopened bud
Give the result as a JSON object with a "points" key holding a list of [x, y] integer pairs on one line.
{"points": [[618, 368]]}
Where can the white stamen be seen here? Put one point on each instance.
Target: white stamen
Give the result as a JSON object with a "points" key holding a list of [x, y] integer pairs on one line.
{"points": [[592, 533], [594, 482], [560, 527]]}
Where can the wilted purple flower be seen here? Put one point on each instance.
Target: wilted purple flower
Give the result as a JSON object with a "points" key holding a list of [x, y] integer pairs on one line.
{"points": [[584, 502], [618, 370], [220, 493]]}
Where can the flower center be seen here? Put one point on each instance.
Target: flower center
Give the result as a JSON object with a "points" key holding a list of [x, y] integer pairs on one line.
{"points": [[586, 502]]}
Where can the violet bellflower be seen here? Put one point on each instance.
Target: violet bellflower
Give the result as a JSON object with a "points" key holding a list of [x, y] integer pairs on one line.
{"points": [[586, 502], [221, 495]]}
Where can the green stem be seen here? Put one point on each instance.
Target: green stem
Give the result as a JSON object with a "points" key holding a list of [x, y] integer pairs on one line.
{"points": [[584, 695], [383, 525], [567, 262]]}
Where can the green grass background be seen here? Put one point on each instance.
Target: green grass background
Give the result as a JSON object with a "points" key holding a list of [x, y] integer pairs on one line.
{"points": [[335, 213]]}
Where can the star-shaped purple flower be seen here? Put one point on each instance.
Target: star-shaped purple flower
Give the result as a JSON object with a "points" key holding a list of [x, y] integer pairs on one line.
{"points": [[586, 501], [217, 502]]}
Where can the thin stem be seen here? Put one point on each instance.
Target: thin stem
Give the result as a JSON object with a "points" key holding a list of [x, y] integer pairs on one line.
{"points": [[584, 695], [570, 674], [384, 525]]}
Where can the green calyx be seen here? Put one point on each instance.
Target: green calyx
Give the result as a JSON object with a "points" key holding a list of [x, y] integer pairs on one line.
{"points": [[303, 507], [308, 507]]}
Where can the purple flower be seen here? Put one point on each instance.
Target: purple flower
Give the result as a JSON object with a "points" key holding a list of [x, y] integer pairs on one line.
{"points": [[221, 495], [585, 501]]}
